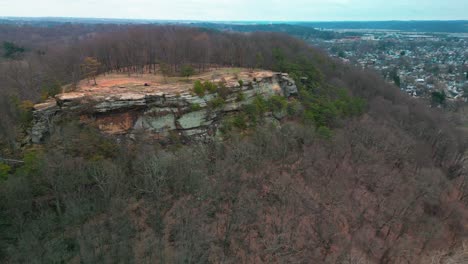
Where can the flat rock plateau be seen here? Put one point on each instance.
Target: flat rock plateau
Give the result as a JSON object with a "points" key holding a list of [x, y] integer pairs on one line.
{"points": [[122, 104]]}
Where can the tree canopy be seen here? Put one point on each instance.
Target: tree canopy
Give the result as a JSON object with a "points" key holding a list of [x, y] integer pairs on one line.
{"points": [[11, 50]]}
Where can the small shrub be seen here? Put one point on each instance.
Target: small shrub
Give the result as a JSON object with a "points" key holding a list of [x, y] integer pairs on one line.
{"points": [[96, 157], [309, 116], [325, 132], [261, 104], [25, 109], [294, 108], [11, 50], [217, 102], [357, 106], [195, 107], [257, 108], [438, 98], [223, 91], [50, 91], [252, 112], [241, 83], [278, 103], [348, 105], [226, 127], [4, 171], [210, 87], [199, 88], [240, 97], [239, 121], [187, 71], [33, 163]]}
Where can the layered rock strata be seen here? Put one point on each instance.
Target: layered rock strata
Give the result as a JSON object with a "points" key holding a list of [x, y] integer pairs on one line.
{"points": [[124, 112]]}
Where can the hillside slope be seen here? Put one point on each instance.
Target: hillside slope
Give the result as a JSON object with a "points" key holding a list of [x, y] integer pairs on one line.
{"points": [[356, 172]]}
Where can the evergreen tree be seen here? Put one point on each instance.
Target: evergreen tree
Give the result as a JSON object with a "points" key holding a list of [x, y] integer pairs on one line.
{"points": [[10, 50], [187, 71], [90, 68]]}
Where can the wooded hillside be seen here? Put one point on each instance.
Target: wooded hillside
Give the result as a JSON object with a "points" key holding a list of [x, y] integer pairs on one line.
{"points": [[357, 173]]}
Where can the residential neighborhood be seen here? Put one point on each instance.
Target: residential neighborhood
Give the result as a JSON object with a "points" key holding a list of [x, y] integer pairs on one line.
{"points": [[419, 63]]}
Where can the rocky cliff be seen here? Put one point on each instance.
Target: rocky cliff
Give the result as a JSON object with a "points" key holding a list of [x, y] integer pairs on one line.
{"points": [[157, 108]]}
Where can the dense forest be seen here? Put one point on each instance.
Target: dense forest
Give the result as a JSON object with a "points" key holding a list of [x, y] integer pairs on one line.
{"points": [[357, 173], [297, 30]]}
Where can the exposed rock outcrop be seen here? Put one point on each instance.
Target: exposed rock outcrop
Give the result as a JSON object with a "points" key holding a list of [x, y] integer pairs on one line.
{"points": [[159, 112], [43, 117]]}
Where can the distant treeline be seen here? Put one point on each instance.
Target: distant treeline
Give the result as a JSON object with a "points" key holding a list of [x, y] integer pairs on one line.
{"points": [[97, 25], [300, 31], [456, 26]]}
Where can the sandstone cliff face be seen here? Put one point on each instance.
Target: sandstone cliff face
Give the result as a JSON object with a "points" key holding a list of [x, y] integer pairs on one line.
{"points": [[157, 112]]}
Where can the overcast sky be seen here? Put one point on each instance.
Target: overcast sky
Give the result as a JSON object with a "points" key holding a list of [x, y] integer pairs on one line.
{"points": [[266, 10]]}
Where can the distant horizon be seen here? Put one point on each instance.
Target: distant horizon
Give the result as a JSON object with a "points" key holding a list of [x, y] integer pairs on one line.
{"points": [[227, 21]]}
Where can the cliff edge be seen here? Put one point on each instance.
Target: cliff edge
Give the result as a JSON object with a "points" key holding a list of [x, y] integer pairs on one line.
{"points": [[123, 105]]}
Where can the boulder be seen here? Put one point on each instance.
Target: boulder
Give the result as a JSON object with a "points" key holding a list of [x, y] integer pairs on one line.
{"points": [[194, 119], [43, 116], [288, 85], [158, 120]]}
